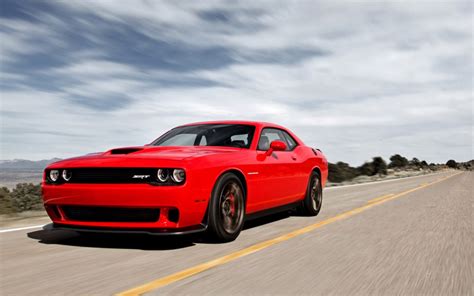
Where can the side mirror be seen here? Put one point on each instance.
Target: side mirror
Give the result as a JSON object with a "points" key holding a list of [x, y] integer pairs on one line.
{"points": [[276, 146]]}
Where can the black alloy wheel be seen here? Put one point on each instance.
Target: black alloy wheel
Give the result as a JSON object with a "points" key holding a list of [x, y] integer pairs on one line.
{"points": [[227, 208], [313, 201]]}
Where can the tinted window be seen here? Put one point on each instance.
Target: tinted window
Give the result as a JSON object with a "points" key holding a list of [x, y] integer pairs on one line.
{"points": [[243, 139], [231, 135], [290, 141], [269, 135]]}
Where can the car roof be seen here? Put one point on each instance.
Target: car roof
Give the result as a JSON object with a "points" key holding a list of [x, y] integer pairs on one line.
{"points": [[258, 124], [245, 122]]}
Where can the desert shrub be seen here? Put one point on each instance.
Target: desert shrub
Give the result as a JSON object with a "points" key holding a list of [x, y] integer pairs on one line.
{"points": [[366, 169], [379, 165], [398, 161], [6, 206], [452, 164], [26, 197], [341, 171], [415, 162]]}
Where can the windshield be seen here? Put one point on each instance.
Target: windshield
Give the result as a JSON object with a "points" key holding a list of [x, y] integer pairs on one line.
{"points": [[231, 135]]}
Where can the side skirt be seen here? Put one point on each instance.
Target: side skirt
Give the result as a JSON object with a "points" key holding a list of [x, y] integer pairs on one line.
{"points": [[272, 211]]}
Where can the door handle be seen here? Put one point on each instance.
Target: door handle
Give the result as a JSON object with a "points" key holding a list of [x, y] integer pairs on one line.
{"points": [[293, 157]]}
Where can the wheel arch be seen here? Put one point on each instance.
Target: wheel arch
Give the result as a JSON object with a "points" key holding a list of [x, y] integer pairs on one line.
{"points": [[322, 177], [239, 175], [317, 170]]}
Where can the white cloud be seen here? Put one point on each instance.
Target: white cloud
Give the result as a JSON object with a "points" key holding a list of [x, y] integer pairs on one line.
{"points": [[384, 78]]}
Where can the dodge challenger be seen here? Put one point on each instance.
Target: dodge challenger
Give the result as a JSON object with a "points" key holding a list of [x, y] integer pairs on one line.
{"points": [[203, 177]]}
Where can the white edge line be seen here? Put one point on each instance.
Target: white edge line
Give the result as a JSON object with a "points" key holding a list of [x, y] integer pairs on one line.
{"points": [[382, 181], [21, 228]]}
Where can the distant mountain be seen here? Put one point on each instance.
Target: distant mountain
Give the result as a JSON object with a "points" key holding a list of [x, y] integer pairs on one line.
{"points": [[17, 171], [23, 164]]}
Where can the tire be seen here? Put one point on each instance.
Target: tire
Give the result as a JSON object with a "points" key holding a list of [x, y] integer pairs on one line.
{"points": [[226, 209], [311, 205]]}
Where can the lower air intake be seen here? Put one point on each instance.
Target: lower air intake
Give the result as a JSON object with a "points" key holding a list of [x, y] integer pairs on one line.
{"points": [[110, 214]]}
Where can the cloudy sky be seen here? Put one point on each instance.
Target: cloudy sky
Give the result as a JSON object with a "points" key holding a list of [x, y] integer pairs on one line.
{"points": [[356, 79]]}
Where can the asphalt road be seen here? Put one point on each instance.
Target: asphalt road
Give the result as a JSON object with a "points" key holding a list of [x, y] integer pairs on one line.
{"points": [[410, 236]]}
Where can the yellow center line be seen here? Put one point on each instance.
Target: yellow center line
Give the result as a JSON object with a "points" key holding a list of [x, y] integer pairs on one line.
{"points": [[180, 275], [380, 198]]}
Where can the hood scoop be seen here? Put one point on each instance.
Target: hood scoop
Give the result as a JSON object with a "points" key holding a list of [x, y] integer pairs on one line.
{"points": [[124, 150]]}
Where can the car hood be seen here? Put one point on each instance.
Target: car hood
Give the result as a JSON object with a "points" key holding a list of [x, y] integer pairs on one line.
{"points": [[143, 156]]}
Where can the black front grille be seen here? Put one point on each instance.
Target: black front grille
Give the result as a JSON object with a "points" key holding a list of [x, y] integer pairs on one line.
{"points": [[113, 175], [110, 214]]}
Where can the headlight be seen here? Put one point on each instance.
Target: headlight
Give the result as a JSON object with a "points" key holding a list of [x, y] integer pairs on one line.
{"points": [[67, 175], [162, 175], [178, 175], [53, 175]]}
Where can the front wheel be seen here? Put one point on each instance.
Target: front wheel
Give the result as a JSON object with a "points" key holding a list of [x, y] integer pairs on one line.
{"points": [[226, 208], [311, 205]]}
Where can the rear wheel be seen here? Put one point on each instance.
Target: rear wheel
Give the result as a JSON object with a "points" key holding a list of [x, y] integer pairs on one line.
{"points": [[226, 209], [311, 205]]}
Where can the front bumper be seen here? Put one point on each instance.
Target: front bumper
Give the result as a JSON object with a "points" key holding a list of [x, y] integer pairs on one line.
{"points": [[146, 231], [189, 204]]}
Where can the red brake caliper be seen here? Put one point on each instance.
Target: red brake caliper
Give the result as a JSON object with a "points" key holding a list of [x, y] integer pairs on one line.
{"points": [[231, 204]]}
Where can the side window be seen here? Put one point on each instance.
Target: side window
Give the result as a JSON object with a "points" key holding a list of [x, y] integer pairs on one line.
{"points": [[202, 141], [290, 141], [269, 135], [240, 140]]}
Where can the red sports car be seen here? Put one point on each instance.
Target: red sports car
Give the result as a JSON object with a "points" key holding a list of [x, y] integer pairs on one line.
{"points": [[208, 176]]}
